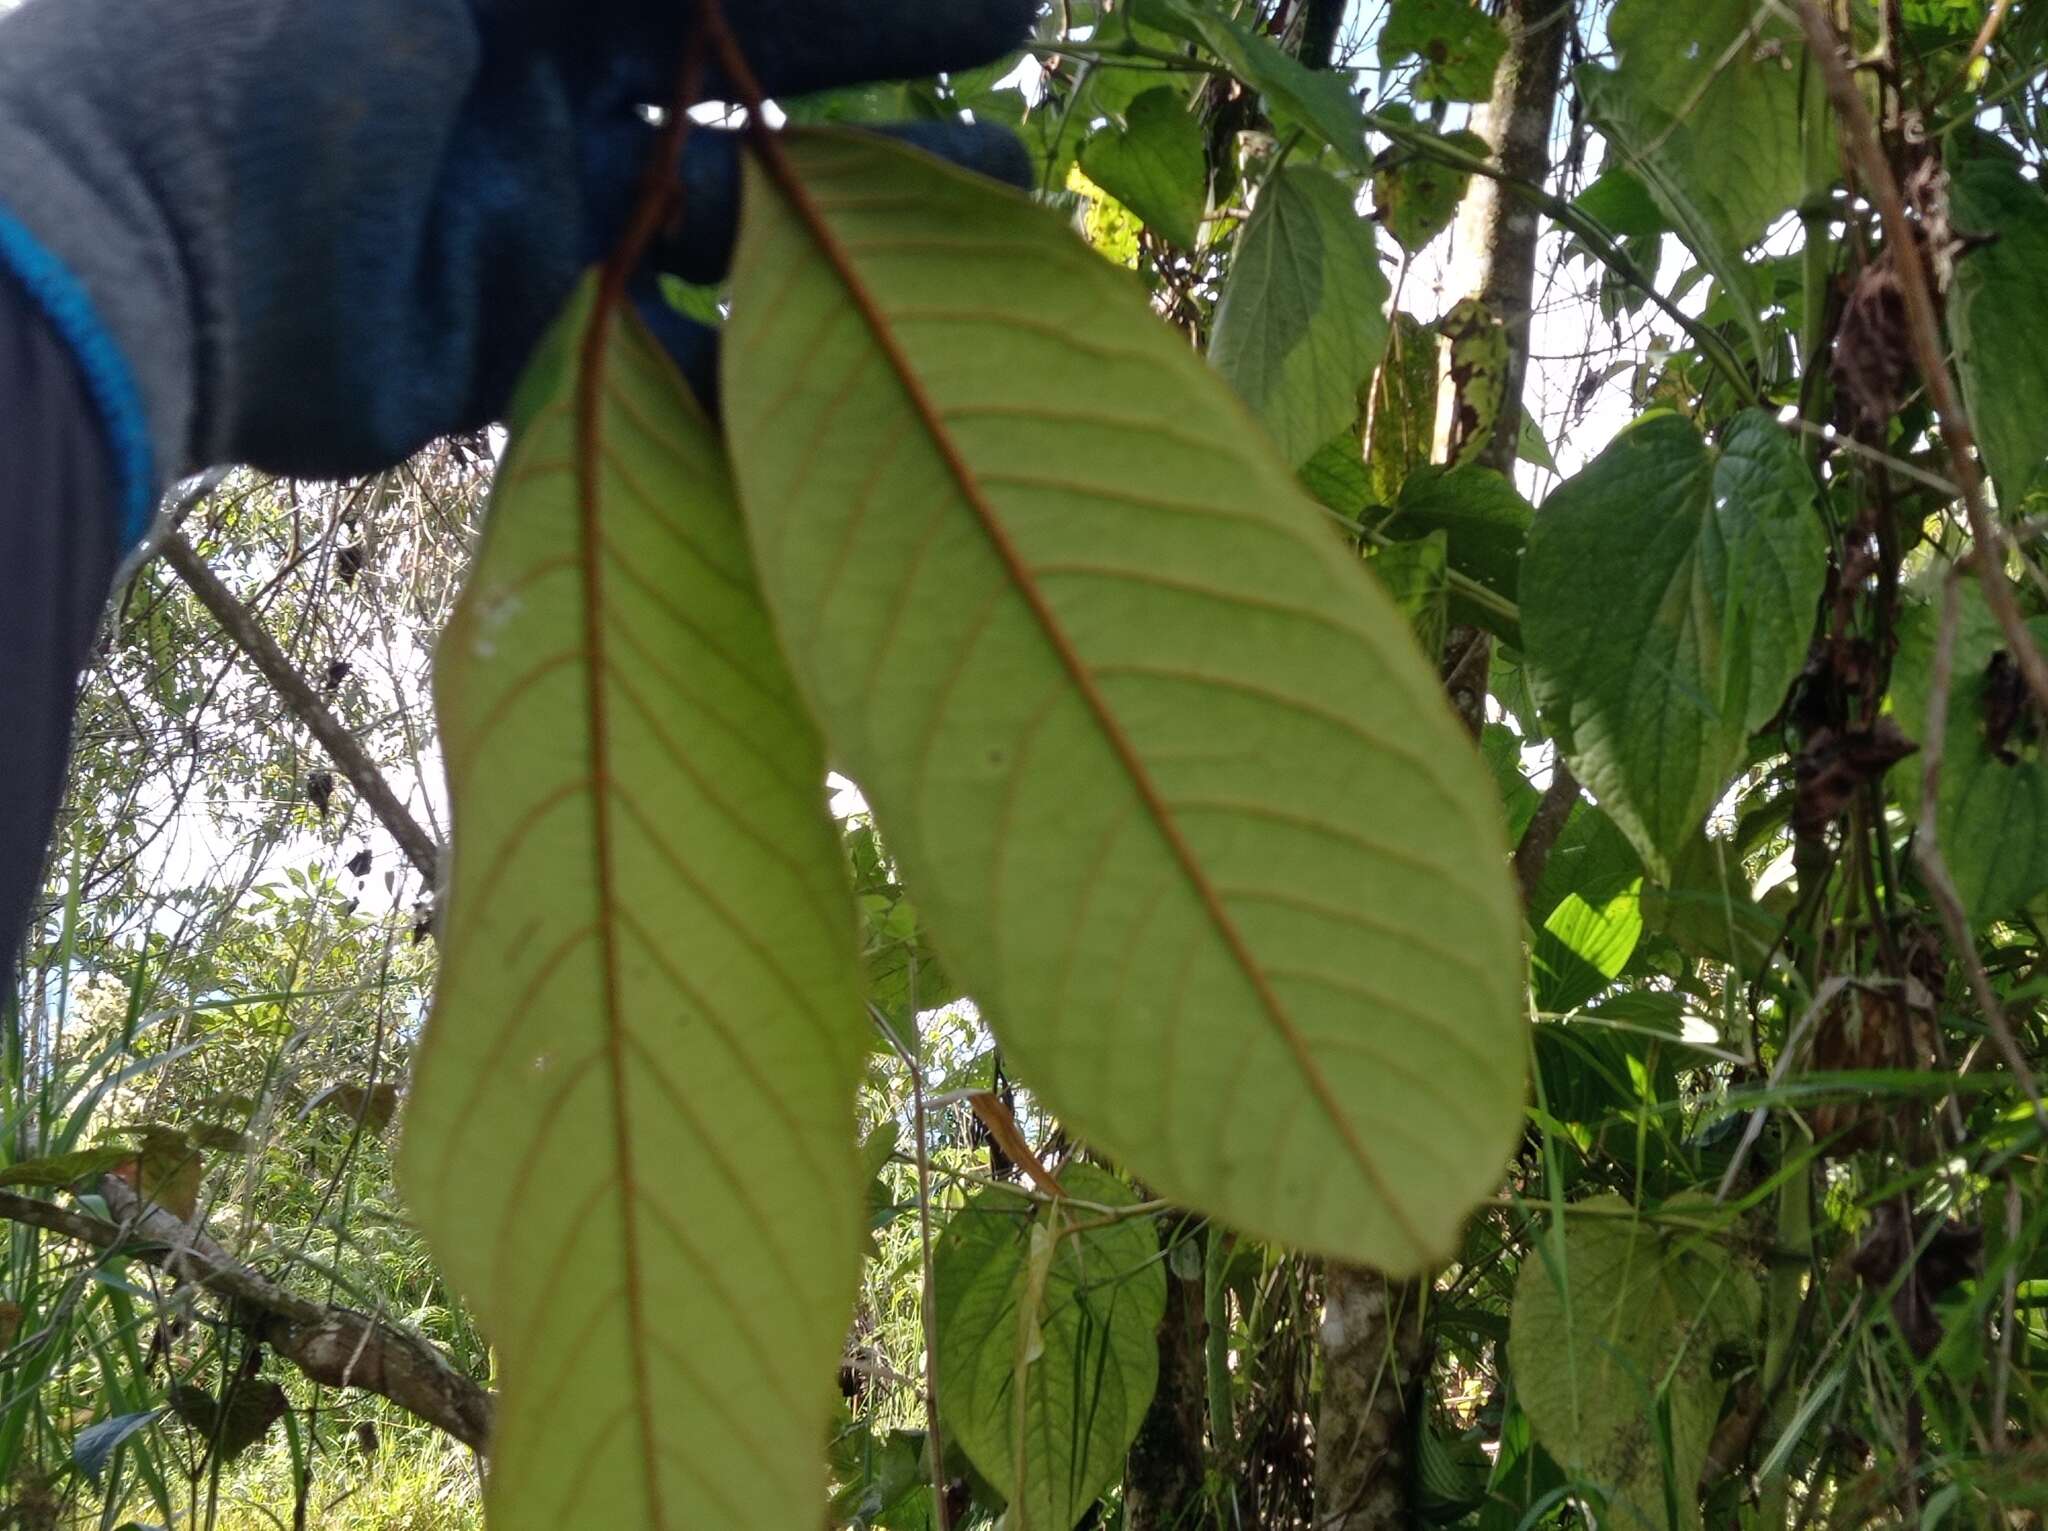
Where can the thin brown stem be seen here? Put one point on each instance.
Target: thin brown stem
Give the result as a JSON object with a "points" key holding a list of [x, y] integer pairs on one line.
{"points": [[1923, 325], [1532, 855], [1982, 41]]}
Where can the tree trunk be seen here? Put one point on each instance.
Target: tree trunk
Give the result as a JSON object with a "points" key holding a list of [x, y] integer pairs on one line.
{"points": [[1163, 1474], [1497, 234], [1374, 1355], [1372, 1381], [1497, 230]]}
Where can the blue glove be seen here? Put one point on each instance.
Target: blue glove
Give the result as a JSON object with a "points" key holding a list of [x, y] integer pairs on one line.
{"points": [[312, 235]]}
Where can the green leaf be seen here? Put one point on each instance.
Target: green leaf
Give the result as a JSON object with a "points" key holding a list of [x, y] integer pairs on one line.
{"points": [[1417, 576], [1592, 858], [1302, 323], [1047, 1344], [885, 1481], [1530, 445], [1622, 205], [1706, 907], [1179, 798], [1156, 165], [1403, 431], [1583, 947], [1993, 814], [1612, 1344], [631, 1139], [1460, 46], [1502, 749], [1706, 108], [1318, 101], [1486, 522], [1998, 312], [1450, 1474], [1668, 596], [1415, 196], [1335, 475]]}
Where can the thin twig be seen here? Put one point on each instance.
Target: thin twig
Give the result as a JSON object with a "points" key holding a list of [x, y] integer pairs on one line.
{"points": [[1982, 41], [1836, 441], [2009, 1303]]}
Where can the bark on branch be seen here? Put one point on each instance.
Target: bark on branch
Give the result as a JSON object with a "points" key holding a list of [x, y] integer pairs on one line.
{"points": [[1532, 855], [342, 747], [336, 1347]]}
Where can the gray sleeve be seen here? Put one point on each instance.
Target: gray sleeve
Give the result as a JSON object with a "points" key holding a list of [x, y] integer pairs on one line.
{"points": [[59, 509]]}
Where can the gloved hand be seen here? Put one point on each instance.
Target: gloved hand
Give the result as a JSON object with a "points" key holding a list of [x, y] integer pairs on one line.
{"points": [[312, 235]]}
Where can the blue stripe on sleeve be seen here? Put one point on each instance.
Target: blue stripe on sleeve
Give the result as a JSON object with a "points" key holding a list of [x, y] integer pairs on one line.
{"points": [[108, 380]]}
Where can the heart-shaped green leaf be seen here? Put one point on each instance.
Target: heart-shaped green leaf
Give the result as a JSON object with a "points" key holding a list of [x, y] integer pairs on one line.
{"points": [[1156, 164], [1183, 804], [1048, 1351], [1300, 326], [1668, 596], [631, 1139], [1613, 1346]]}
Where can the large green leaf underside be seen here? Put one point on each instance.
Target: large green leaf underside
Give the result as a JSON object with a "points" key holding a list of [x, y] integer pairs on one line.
{"points": [[631, 1137], [1613, 1346], [1993, 814], [1999, 315], [1667, 600], [1301, 324], [1707, 109], [1048, 1344], [1180, 799]]}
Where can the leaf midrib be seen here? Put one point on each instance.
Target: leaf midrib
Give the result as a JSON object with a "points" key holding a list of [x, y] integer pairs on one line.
{"points": [[594, 361]]}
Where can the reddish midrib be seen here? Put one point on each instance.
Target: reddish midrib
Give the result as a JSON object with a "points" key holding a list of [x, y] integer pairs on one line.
{"points": [[589, 447]]}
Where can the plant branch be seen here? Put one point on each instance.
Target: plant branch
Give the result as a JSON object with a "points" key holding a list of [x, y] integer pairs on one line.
{"points": [[336, 1347], [342, 747], [1923, 326], [1540, 837]]}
